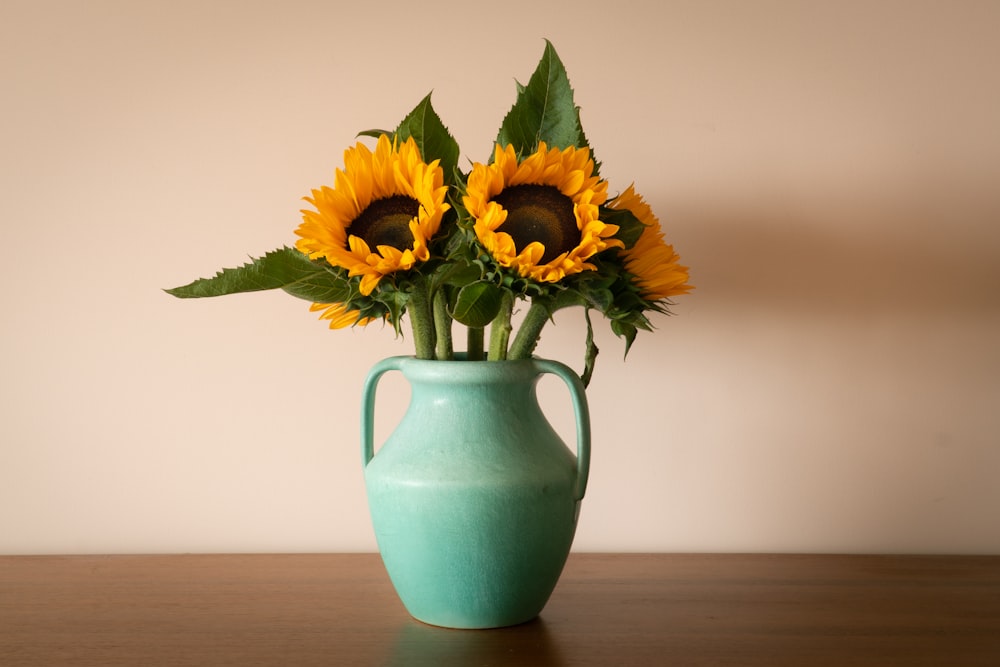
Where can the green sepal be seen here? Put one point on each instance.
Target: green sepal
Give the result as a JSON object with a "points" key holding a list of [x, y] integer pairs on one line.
{"points": [[285, 268], [624, 330], [566, 299], [630, 227], [395, 302], [544, 110], [432, 137]]}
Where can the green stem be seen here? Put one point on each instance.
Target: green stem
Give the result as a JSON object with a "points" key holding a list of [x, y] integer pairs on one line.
{"points": [[422, 321], [500, 329], [442, 327], [474, 344], [530, 331]]}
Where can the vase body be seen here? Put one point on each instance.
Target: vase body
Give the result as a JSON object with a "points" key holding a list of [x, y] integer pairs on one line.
{"points": [[474, 498]]}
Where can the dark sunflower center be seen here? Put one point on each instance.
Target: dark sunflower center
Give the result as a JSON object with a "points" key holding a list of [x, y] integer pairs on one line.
{"points": [[539, 213], [386, 222]]}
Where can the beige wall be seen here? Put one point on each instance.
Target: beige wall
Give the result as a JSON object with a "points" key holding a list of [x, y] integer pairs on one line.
{"points": [[827, 169]]}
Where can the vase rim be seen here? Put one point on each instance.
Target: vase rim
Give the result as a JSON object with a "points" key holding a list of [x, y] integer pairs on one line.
{"points": [[462, 370], [462, 357]]}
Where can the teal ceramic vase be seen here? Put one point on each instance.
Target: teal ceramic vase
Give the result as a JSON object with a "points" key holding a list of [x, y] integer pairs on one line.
{"points": [[474, 498]]}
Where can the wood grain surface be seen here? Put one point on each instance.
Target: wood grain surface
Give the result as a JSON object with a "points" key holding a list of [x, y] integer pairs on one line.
{"points": [[609, 609]]}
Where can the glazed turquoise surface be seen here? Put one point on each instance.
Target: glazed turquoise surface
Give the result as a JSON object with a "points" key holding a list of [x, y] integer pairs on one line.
{"points": [[474, 497]]}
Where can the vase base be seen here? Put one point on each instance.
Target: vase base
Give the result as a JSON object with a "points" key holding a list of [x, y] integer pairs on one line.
{"points": [[473, 624]]}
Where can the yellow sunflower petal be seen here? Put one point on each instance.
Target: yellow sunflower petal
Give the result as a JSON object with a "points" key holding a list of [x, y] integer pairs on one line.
{"points": [[339, 315], [654, 263]]}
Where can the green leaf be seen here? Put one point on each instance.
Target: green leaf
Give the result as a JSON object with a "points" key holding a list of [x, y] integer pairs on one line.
{"points": [[544, 110], [374, 133], [477, 304], [433, 138], [590, 356], [285, 268], [582, 141], [459, 274]]}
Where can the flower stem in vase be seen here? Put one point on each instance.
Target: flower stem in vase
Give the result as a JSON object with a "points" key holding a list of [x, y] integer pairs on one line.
{"points": [[422, 321], [442, 328], [500, 329], [529, 332]]}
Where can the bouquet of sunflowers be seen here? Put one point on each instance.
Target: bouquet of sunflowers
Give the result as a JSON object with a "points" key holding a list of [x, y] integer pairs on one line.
{"points": [[403, 232]]}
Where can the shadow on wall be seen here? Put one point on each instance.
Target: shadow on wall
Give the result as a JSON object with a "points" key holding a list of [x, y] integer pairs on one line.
{"points": [[843, 263]]}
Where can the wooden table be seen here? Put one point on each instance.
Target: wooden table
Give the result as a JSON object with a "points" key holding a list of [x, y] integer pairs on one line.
{"points": [[340, 609]]}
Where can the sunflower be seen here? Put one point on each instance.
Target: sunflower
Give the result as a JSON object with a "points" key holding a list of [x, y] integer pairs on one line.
{"points": [[380, 215], [652, 261], [340, 315], [539, 217]]}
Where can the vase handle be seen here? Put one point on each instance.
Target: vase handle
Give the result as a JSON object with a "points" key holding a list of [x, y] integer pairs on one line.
{"points": [[368, 406], [578, 395]]}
